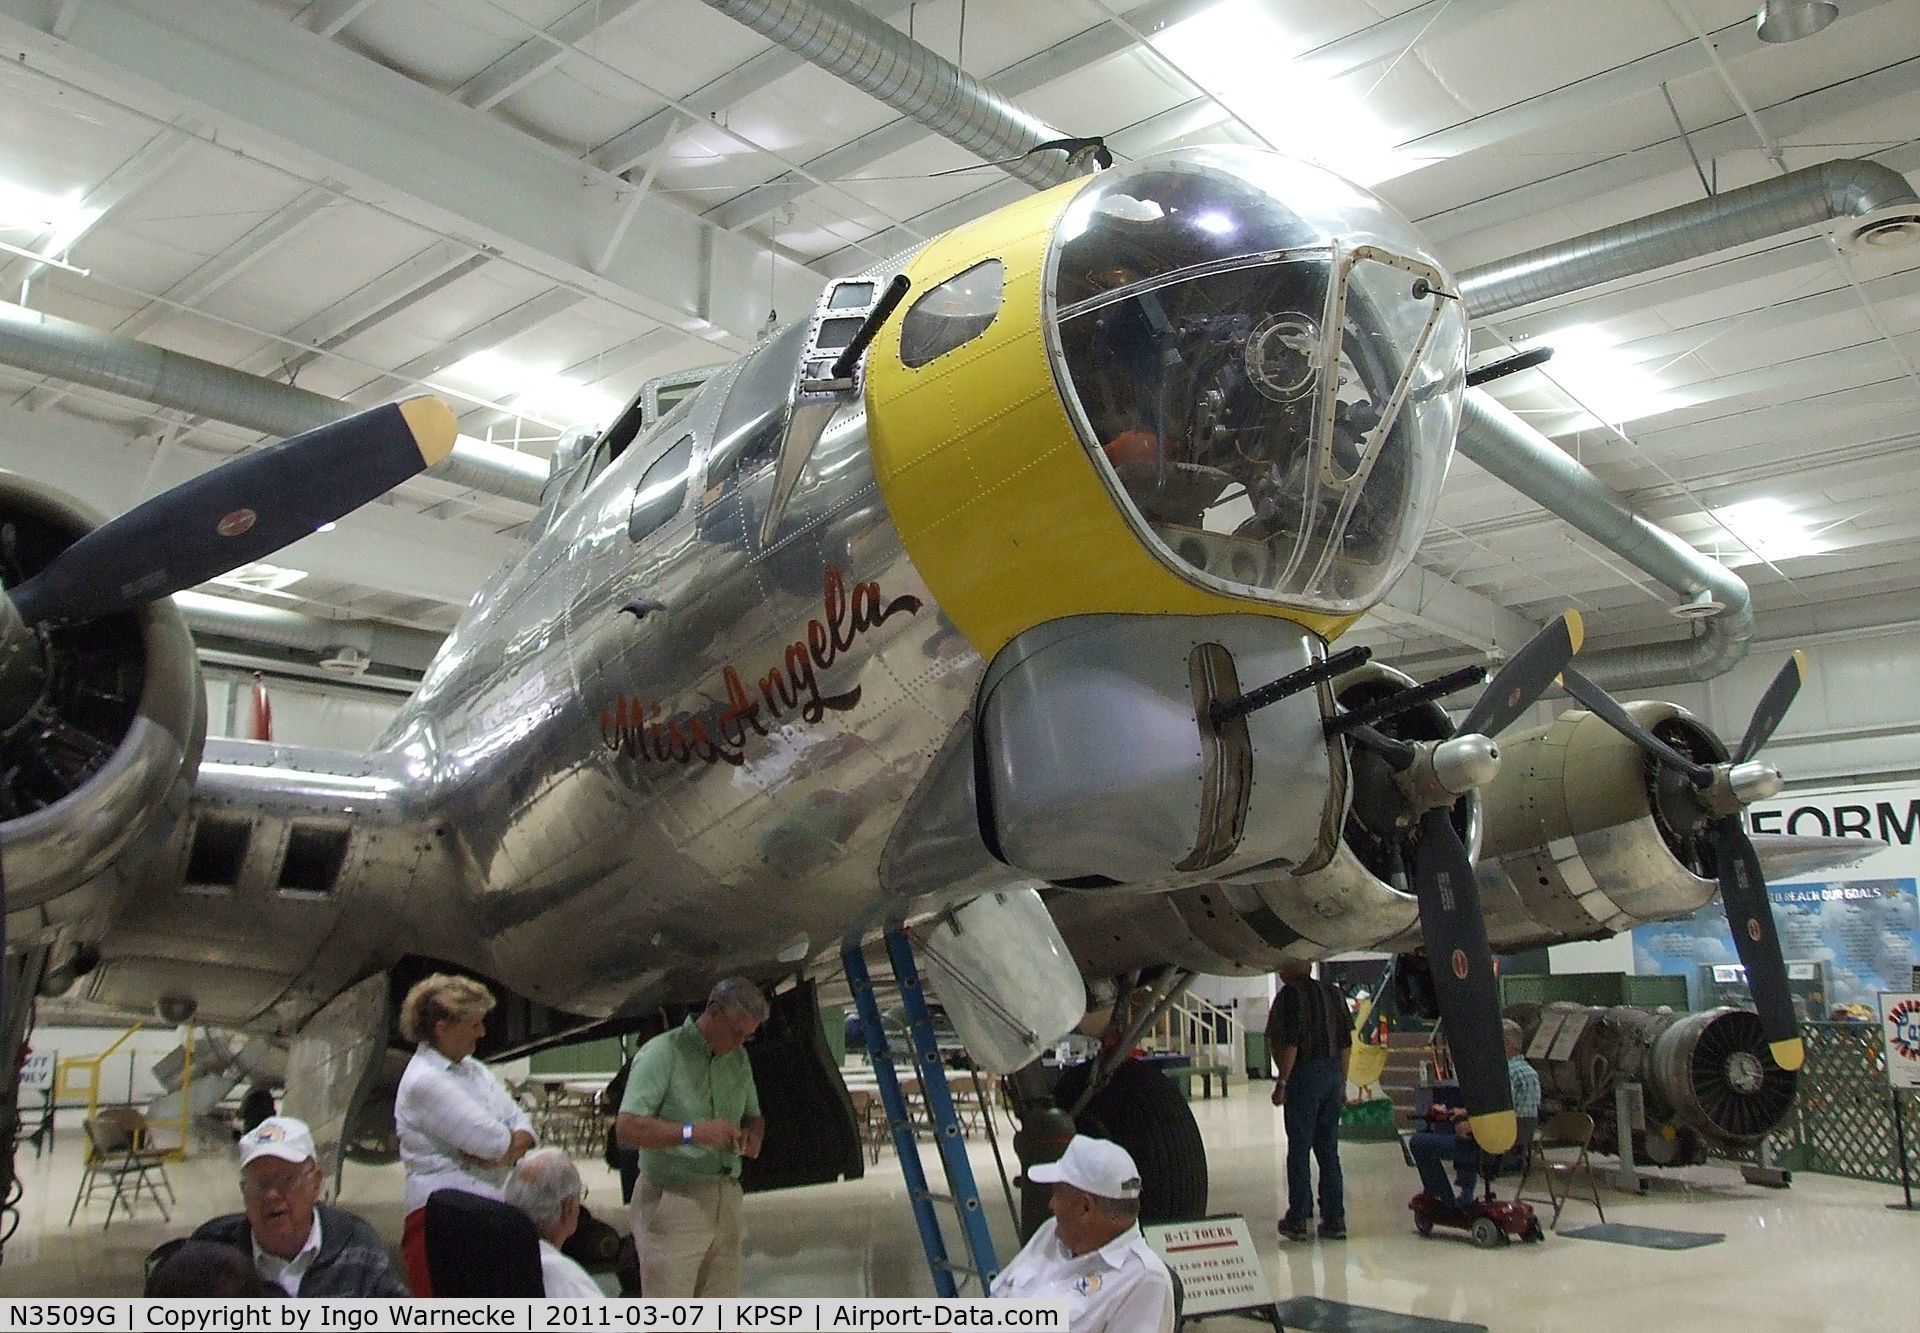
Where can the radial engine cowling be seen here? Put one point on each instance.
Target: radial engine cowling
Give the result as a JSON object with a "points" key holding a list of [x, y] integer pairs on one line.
{"points": [[1578, 841], [1707, 1080], [103, 758], [1247, 924]]}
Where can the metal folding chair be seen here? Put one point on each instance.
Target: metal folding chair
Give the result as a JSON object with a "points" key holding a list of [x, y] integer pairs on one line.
{"points": [[118, 1157], [1567, 1129]]}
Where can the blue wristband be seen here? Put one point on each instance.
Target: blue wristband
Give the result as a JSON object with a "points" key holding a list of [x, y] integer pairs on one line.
{"points": [[686, 1132]]}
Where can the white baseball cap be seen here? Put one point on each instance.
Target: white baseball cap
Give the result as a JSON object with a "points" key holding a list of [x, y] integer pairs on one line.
{"points": [[1097, 1166], [278, 1136]]}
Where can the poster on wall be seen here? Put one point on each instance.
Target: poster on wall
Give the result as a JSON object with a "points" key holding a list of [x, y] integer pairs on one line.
{"points": [[1900, 1026], [1848, 934]]}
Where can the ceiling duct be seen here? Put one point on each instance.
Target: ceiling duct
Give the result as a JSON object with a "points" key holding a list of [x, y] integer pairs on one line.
{"points": [[338, 640], [346, 660], [1845, 189], [1532, 464], [1790, 20], [60, 348], [890, 66]]}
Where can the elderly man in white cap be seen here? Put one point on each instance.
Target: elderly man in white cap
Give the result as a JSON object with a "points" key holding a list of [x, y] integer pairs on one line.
{"points": [[545, 1185], [299, 1245], [1091, 1254]]}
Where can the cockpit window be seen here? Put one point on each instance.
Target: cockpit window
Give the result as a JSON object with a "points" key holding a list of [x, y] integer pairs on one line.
{"points": [[1269, 368], [952, 314]]}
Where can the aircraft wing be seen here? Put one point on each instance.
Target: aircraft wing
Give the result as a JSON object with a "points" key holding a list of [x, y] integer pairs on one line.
{"points": [[283, 884], [1787, 856]]}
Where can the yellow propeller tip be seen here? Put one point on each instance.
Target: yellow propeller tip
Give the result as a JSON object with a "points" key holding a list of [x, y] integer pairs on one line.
{"points": [[1789, 1054], [433, 424], [1800, 661], [1576, 630], [1497, 1131]]}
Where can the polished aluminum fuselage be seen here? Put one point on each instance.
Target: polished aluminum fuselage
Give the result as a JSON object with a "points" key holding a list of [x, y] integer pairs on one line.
{"points": [[565, 827]]}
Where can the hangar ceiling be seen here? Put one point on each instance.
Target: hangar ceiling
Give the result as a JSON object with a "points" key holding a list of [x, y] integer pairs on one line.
{"points": [[534, 207]]}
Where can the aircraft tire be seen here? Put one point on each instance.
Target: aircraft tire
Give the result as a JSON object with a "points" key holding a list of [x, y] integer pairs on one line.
{"points": [[1141, 1110]]}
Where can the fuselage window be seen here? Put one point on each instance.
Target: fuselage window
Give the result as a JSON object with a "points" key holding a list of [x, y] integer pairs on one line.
{"points": [[952, 314], [662, 490]]}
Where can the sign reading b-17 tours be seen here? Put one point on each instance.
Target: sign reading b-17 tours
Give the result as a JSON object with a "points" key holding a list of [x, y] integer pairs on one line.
{"points": [[1216, 1264]]}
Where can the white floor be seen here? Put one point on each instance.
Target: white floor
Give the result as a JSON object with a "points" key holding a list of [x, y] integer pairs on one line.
{"points": [[1824, 1254]]}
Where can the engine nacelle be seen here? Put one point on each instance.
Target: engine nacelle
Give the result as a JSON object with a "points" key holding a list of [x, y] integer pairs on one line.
{"points": [[104, 759], [1707, 1079], [1578, 841], [1248, 924]]}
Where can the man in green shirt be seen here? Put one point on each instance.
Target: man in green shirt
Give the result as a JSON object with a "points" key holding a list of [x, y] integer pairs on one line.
{"points": [[692, 1111]]}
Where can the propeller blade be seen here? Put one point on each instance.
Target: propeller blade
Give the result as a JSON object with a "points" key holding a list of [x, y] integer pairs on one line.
{"points": [[1743, 893], [1461, 961], [1525, 677], [1773, 706], [239, 512], [1603, 705]]}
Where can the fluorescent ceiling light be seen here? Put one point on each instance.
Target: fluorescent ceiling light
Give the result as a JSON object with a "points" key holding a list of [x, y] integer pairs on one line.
{"points": [[541, 391], [1768, 528], [62, 220], [260, 577], [1609, 385], [1246, 60]]}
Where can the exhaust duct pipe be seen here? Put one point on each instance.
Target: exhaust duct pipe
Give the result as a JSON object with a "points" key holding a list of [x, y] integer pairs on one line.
{"points": [[1844, 189], [886, 64], [1532, 464], [395, 645], [48, 345]]}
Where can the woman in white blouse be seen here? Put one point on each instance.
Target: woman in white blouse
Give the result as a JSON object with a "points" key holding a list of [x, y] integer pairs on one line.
{"points": [[459, 1129]]}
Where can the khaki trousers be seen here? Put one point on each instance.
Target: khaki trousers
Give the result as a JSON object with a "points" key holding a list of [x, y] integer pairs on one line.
{"points": [[687, 1234]]}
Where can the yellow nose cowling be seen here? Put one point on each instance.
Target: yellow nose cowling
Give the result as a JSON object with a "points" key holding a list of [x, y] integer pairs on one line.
{"points": [[1001, 507]]}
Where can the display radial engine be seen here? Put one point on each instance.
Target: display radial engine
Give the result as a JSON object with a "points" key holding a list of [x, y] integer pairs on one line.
{"points": [[1014, 565]]}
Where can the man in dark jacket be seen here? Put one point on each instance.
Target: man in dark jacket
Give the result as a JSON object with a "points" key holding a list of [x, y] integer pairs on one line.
{"points": [[1310, 1037], [300, 1246]]}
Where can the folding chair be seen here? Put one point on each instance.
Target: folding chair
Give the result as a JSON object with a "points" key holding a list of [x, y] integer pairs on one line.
{"points": [[117, 1156], [871, 1120], [137, 1127], [1567, 1129]]}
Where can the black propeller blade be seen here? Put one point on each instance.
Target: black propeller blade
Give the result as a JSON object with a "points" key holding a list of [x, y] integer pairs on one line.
{"points": [[1743, 887], [1773, 706], [1597, 701], [238, 512], [1743, 894], [1525, 677], [1461, 962], [1454, 929]]}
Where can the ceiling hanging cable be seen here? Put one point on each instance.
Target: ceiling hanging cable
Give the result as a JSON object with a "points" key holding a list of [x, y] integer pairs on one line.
{"points": [[1405, 51]]}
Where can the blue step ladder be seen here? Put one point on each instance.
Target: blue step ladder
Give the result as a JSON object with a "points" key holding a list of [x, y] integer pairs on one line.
{"points": [[964, 1196]]}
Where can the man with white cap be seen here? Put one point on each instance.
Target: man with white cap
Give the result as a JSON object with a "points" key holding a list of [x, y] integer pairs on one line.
{"points": [[300, 1246], [1091, 1253]]}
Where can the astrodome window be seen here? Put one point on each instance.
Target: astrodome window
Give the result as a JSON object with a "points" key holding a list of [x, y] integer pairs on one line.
{"points": [[952, 314], [1267, 369]]}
